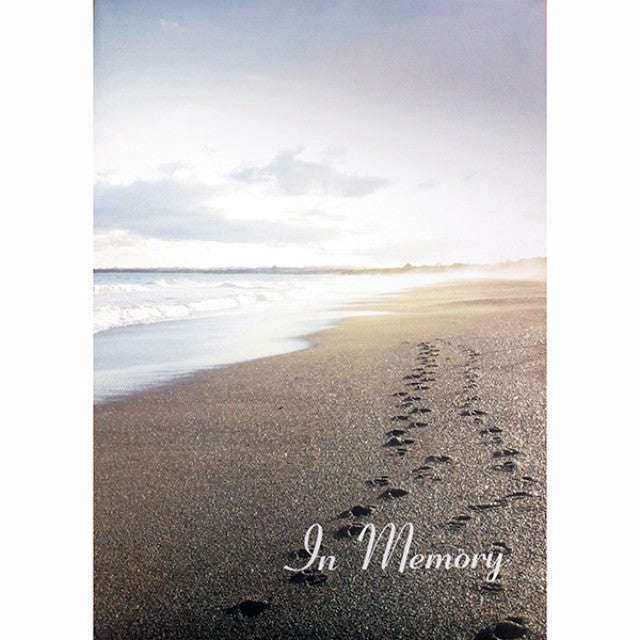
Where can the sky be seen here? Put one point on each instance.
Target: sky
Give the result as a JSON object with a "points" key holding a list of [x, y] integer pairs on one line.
{"points": [[318, 132]]}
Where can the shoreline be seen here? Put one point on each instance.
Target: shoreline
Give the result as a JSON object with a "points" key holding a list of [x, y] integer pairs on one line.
{"points": [[308, 340], [138, 357], [204, 488]]}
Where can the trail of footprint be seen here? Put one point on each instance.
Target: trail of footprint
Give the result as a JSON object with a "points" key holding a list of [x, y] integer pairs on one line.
{"points": [[503, 458], [398, 444]]}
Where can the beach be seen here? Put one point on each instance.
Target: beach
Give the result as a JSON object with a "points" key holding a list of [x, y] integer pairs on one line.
{"points": [[431, 413]]}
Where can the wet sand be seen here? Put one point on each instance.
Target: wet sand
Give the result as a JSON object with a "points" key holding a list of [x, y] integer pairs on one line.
{"points": [[204, 489]]}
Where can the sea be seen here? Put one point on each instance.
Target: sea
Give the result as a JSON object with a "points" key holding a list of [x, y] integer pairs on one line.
{"points": [[152, 327]]}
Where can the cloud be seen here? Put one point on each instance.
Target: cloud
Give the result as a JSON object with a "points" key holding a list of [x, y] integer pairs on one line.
{"points": [[172, 210], [171, 168], [299, 177], [170, 25]]}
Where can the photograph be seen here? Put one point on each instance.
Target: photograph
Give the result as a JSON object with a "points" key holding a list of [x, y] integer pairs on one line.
{"points": [[319, 319]]}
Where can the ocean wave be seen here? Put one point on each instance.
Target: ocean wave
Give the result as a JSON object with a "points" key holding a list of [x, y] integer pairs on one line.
{"points": [[120, 287], [111, 316]]}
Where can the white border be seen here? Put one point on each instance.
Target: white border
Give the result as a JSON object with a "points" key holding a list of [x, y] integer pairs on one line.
{"points": [[593, 185], [46, 50], [46, 54]]}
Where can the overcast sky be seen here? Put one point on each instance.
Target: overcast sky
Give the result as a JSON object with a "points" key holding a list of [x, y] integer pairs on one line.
{"points": [[318, 132]]}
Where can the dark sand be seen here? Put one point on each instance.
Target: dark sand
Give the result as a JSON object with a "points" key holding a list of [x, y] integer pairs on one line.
{"points": [[204, 488]]}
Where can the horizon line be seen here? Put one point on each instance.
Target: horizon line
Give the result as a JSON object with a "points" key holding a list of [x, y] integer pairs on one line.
{"points": [[315, 268]]}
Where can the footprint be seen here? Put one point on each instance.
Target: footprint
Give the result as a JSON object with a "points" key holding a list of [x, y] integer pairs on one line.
{"points": [[418, 425], [420, 473], [350, 530], [398, 442], [396, 432], [309, 578], [504, 549], [437, 459], [494, 439], [393, 494], [511, 628], [399, 418], [506, 453], [492, 587], [458, 523], [303, 554], [424, 467], [357, 511], [380, 481], [509, 466], [489, 506], [248, 608], [521, 500]]}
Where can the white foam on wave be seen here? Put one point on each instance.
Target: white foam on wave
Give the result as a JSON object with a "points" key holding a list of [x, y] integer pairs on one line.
{"points": [[110, 288], [126, 299], [111, 316], [123, 299]]}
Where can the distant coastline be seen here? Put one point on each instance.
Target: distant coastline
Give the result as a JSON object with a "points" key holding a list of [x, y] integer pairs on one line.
{"points": [[535, 261]]}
